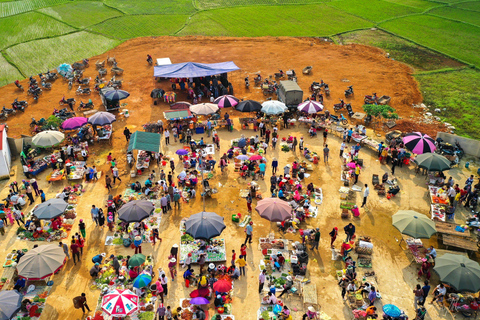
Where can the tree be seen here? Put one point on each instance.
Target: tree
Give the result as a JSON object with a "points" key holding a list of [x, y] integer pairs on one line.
{"points": [[378, 111]]}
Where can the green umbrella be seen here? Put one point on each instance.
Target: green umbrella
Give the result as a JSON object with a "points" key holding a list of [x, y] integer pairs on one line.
{"points": [[414, 224], [458, 271], [136, 260], [432, 162]]}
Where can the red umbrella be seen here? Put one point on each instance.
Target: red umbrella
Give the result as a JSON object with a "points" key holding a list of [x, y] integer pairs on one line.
{"points": [[274, 209], [120, 303], [222, 286]]}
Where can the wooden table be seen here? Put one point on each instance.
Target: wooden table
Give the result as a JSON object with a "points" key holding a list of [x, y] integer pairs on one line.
{"points": [[309, 294], [449, 229], [460, 242]]}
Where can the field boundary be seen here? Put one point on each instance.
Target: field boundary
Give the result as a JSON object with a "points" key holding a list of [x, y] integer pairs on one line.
{"points": [[7, 58]]}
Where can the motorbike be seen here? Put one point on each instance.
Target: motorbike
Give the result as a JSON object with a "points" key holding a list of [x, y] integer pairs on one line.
{"points": [[21, 103], [33, 81], [67, 101], [63, 113], [247, 82], [340, 119], [371, 99], [3, 115], [85, 91], [18, 85], [85, 106], [326, 89], [70, 84], [339, 106], [445, 148], [280, 75], [258, 80], [34, 91], [84, 81], [115, 83], [269, 89], [50, 75], [46, 85], [149, 59], [291, 75], [8, 111], [349, 110], [349, 92], [37, 123]]}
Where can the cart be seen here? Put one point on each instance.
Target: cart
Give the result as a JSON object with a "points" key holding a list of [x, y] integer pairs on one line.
{"points": [[375, 179], [116, 71], [307, 70], [100, 64]]}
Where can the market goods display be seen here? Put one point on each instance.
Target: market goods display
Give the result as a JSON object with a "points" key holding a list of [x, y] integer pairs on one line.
{"points": [[215, 248]]}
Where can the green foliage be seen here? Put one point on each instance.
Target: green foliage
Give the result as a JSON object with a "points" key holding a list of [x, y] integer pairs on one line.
{"points": [[29, 26], [380, 111], [53, 121], [153, 6], [457, 93], [472, 5], [472, 17], [50, 53], [454, 38], [8, 72], [15, 7], [374, 10], [308, 20], [82, 13], [128, 27]]}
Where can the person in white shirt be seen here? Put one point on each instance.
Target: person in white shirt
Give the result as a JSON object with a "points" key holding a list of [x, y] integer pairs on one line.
{"points": [[167, 137], [270, 299], [342, 147], [439, 293], [366, 192]]}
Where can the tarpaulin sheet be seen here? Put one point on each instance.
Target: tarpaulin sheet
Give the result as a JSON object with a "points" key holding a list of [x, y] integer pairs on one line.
{"points": [[193, 69]]}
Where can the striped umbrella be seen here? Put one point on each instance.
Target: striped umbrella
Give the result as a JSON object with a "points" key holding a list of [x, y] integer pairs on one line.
{"points": [[419, 143], [310, 107], [120, 303], [226, 101]]}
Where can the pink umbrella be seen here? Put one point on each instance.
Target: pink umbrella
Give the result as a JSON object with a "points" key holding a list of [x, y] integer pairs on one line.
{"points": [[222, 286], [274, 209], [256, 157], [120, 303], [74, 123], [351, 165], [310, 107], [419, 143], [226, 101]]}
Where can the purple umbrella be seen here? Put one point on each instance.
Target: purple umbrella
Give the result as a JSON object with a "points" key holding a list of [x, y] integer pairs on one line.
{"points": [[181, 152], [310, 107], [199, 300], [226, 101], [74, 123], [419, 143]]}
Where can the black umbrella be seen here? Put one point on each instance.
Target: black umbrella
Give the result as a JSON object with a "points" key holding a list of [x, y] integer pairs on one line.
{"points": [[115, 95], [50, 209], [249, 106], [135, 211], [204, 225], [432, 162]]}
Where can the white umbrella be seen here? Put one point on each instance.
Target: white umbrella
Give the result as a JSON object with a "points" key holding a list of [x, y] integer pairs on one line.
{"points": [[48, 138], [273, 107], [204, 108]]}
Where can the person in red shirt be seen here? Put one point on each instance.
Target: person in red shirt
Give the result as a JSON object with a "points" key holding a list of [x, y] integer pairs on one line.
{"points": [[243, 251], [75, 251]]}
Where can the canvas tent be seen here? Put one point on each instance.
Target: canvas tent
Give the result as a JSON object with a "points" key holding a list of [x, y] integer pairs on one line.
{"points": [[290, 93], [177, 115], [5, 154], [193, 69], [147, 141]]}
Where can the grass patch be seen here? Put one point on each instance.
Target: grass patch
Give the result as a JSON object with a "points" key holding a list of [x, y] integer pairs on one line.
{"points": [[214, 4], [29, 26], [15, 7], [50, 53], [457, 39], [127, 27], [153, 6], [473, 5], [457, 92], [308, 20], [81, 14], [9, 73], [374, 10], [472, 17], [420, 4], [419, 58]]}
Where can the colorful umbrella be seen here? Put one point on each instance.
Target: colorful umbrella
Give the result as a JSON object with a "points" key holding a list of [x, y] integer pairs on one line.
{"points": [[41, 262], [222, 286], [120, 303], [226, 101], [273, 107], [199, 300], [136, 260], [181, 152], [460, 272], [310, 107], [256, 157], [10, 302], [391, 310], [142, 281], [414, 224], [48, 138], [50, 209], [432, 162], [249, 106], [419, 143], [64, 69], [115, 95], [274, 209], [74, 123], [242, 157], [204, 225], [204, 108], [102, 118], [135, 211]]}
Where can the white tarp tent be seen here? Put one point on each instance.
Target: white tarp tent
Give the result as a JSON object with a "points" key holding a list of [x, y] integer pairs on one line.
{"points": [[163, 61], [5, 154]]}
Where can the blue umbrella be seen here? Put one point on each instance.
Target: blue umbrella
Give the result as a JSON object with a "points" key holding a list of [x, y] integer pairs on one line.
{"points": [[101, 118], [115, 95], [64, 69], [142, 280], [392, 310]]}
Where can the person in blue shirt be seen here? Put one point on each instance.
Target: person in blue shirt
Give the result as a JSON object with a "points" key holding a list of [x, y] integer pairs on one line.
{"points": [[202, 143], [148, 183], [349, 134], [262, 167], [380, 148], [274, 165], [280, 194], [42, 195], [98, 258], [249, 231], [20, 284]]}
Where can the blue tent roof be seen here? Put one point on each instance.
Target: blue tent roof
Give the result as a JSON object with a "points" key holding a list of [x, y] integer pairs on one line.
{"points": [[193, 69]]}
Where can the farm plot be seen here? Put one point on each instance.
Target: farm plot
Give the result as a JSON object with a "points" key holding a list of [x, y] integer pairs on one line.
{"points": [[374, 10], [127, 27], [29, 26], [15, 7], [457, 14], [472, 5], [213, 4], [153, 6], [82, 14], [420, 4], [9, 73], [50, 53], [273, 21], [453, 38]]}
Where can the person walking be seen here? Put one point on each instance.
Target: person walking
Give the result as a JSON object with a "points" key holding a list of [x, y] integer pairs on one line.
{"points": [[418, 296], [261, 280], [176, 199], [65, 248], [2, 227], [366, 192], [17, 214], [248, 232], [29, 191], [325, 135], [274, 142], [81, 302], [94, 212], [294, 144], [241, 263], [127, 134], [159, 288], [164, 203], [116, 175], [394, 164], [75, 252], [357, 173], [108, 182], [167, 137], [81, 226], [249, 202], [326, 151], [34, 185], [342, 148], [42, 196], [333, 236], [316, 240], [426, 290], [137, 242], [164, 283]]}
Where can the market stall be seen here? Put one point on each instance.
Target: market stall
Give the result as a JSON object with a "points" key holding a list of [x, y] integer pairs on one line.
{"points": [[143, 160], [105, 133], [37, 166], [77, 170], [439, 203], [56, 175], [34, 302]]}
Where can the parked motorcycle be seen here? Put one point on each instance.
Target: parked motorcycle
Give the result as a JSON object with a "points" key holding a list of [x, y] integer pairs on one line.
{"points": [[280, 75], [258, 80], [19, 86], [85, 91], [18, 107], [37, 123], [3, 115], [339, 106], [349, 92], [349, 110], [269, 88], [326, 89], [247, 82], [85, 106], [340, 119], [8, 111], [445, 148], [50, 76], [46, 85], [63, 113], [291, 75], [84, 81], [21, 103], [34, 91], [67, 101], [371, 99]]}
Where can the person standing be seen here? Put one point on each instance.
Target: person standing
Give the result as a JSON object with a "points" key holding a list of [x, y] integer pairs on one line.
{"points": [[394, 164], [34, 184], [2, 227], [349, 231], [249, 232], [108, 182], [418, 296], [137, 242], [75, 252], [325, 135], [426, 290], [116, 264], [294, 144], [94, 211], [17, 214], [81, 226], [127, 134], [42, 196], [241, 263], [249, 202], [316, 239], [116, 175], [267, 136], [164, 203], [65, 249], [164, 283], [274, 142], [261, 280], [342, 148], [333, 236], [167, 137], [326, 151], [29, 191], [82, 301], [357, 173], [26, 171], [366, 193]]}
